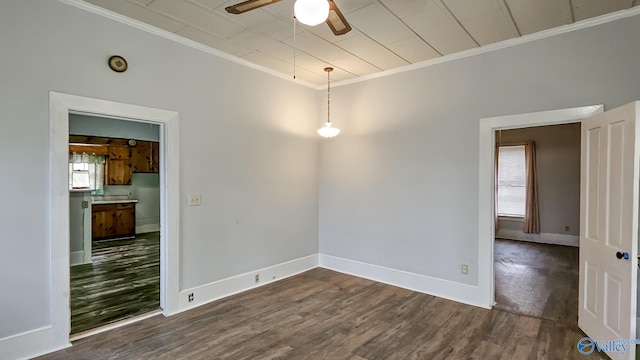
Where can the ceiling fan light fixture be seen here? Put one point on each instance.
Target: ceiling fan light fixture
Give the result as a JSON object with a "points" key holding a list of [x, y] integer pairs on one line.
{"points": [[311, 12]]}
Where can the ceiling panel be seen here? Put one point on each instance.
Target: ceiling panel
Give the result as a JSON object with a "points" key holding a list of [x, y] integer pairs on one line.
{"points": [[386, 34], [211, 4], [403, 9], [487, 21], [377, 24], [533, 16], [313, 65], [316, 46], [197, 16], [438, 28], [372, 52], [413, 50], [349, 6], [355, 65], [251, 40], [268, 61], [584, 9], [140, 13], [308, 62], [205, 38]]}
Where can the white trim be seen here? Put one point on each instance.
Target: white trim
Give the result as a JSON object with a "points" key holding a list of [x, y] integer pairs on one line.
{"points": [[542, 238], [21, 346], [116, 325], [464, 293], [486, 173], [182, 40], [76, 257], [587, 23], [216, 290], [60, 107]]}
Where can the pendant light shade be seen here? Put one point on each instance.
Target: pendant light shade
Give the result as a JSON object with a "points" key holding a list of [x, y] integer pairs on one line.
{"points": [[328, 131], [311, 12]]}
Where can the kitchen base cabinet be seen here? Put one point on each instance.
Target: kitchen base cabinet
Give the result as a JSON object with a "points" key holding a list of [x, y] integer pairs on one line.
{"points": [[110, 221]]}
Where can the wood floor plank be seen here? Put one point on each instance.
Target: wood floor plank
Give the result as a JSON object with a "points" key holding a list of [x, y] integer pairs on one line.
{"points": [[122, 281], [321, 314]]}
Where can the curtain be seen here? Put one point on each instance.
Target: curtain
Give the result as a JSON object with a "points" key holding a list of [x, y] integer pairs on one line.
{"points": [[531, 215]]}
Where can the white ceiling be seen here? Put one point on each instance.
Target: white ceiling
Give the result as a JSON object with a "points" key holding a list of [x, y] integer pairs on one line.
{"points": [[386, 33]]}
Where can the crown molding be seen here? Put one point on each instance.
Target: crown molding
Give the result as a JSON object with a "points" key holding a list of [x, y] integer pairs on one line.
{"points": [[584, 24], [179, 39]]}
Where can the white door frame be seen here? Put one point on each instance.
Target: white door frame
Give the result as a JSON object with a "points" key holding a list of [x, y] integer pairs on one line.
{"points": [[60, 105], [486, 223]]}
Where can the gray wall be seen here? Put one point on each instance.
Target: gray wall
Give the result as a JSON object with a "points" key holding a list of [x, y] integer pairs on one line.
{"points": [[558, 174], [100, 126], [399, 187], [252, 161]]}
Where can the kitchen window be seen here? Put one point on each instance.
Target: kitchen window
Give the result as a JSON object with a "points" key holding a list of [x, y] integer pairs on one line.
{"points": [[86, 172]]}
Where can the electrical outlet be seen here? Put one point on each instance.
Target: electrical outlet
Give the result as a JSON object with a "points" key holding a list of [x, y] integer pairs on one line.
{"points": [[256, 278], [190, 297], [85, 204], [465, 269], [194, 199]]}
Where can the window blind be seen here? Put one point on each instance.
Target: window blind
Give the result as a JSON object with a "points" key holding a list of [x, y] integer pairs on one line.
{"points": [[511, 181]]}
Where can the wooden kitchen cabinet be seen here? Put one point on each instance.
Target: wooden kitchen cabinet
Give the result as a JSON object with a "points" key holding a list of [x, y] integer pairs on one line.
{"points": [[122, 158], [144, 157], [113, 221], [103, 221], [118, 166]]}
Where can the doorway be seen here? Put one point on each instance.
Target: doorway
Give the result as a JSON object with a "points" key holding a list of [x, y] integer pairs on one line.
{"points": [[61, 105], [536, 272], [487, 143], [114, 221]]}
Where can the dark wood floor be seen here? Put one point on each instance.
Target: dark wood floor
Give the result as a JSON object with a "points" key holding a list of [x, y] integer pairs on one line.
{"points": [[123, 281], [540, 280], [322, 314]]}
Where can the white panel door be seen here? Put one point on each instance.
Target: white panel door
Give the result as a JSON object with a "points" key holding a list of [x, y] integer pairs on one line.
{"points": [[609, 231]]}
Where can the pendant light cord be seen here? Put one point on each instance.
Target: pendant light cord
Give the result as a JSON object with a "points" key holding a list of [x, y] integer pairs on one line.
{"points": [[328, 96], [295, 45]]}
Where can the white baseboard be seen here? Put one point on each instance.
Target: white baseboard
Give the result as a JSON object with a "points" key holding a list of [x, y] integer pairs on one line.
{"points": [[463, 293], [141, 229], [29, 344], [76, 257], [544, 238], [236, 284]]}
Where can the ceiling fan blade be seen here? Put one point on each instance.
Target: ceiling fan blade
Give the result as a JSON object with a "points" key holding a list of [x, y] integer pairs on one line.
{"points": [[245, 6], [336, 20]]}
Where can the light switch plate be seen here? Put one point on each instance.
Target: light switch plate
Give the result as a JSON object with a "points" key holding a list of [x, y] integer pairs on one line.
{"points": [[194, 199]]}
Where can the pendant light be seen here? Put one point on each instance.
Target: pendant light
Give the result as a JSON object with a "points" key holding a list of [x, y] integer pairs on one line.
{"points": [[311, 12], [327, 130]]}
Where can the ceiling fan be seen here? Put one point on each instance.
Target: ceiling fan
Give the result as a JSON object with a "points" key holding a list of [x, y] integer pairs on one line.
{"points": [[336, 21]]}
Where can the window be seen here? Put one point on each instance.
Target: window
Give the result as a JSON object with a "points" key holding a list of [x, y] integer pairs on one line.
{"points": [[512, 190], [86, 172]]}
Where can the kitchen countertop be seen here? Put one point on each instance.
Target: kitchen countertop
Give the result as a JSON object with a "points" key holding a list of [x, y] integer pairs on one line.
{"points": [[112, 199]]}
